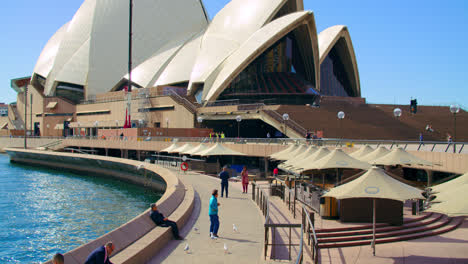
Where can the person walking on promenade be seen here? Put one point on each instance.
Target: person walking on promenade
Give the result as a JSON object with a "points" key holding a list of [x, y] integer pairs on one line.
{"points": [[275, 172], [160, 220], [245, 179], [224, 175], [101, 255], [58, 259], [421, 138], [213, 213]]}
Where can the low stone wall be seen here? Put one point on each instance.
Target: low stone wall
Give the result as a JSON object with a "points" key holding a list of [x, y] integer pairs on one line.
{"points": [[174, 203], [18, 142]]}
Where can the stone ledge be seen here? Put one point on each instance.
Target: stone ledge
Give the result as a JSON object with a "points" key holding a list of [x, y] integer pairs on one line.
{"points": [[130, 232]]}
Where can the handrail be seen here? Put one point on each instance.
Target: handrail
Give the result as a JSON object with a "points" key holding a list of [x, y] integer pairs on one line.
{"points": [[282, 141], [306, 221], [300, 256]]}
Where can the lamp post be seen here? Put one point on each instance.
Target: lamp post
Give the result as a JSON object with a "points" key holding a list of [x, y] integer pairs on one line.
{"points": [[454, 109], [238, 119], [79, 129], [341, 116], [285, 118], [96, 125], [167, 126]]}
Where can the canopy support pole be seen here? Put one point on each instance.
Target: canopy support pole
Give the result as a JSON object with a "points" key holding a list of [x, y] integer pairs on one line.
{"points": [[373, 229]]}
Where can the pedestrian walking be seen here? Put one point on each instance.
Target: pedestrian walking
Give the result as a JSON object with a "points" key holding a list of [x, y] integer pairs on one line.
{"points": [[224, 175], [245, 179], [275, 172], [421, 138], [213, 213]]}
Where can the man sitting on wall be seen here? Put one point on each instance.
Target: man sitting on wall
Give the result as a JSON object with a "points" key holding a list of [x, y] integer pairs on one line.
{"points": [[160, 220]]}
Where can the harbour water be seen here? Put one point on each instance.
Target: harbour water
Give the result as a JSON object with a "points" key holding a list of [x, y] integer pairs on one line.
{"points": [[44, 211]]}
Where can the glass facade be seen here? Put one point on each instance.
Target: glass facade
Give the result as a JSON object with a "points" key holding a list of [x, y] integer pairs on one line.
{"points": [[333, 78], [278, 72]]}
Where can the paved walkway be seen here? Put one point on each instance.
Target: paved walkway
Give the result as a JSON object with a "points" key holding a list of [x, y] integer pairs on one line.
{"points": [[245, 246]]}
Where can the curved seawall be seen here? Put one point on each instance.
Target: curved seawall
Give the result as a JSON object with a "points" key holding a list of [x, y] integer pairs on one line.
{"points": [[176, 202]]}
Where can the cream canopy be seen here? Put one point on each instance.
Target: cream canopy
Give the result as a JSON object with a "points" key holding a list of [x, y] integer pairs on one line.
{"points": [[453, 202], [196, 149], [287, 150], [309, 151], [285, 156], [452, 184], [399, 156], [320, 153], [377, 153], [219, 150], [337, 159], [364, 150], [170, 148], [375, 183], [182, 149]]}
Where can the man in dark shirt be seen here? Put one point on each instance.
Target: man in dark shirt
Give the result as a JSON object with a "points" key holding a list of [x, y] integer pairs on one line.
{"points": [[160, 220], [101, 255], [224, 175]]}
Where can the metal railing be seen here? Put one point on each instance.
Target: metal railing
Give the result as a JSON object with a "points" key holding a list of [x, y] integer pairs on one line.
{"points": [[290, 123], [308, 224], [429, 146], [261, 198]]}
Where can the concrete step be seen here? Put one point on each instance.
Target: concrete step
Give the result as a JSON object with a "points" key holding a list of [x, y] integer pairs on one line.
{"points": [[433, 229]]}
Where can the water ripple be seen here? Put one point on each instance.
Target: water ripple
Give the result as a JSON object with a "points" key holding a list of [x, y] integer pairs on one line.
{"points": [[44, 211]]}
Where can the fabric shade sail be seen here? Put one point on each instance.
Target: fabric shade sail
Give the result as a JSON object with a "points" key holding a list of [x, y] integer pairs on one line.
{"points": [[452, 184], [364, 150], [182, 149], [375, 183], [293, 160], [452, 203], [377, 153], [320, 153], [170, 148], [287, 150], [219, 150], [399, 156], [287, 155], [337, 159]]}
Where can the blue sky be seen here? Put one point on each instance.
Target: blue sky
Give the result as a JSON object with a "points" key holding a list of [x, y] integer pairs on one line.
{"points": [[404, 49]]}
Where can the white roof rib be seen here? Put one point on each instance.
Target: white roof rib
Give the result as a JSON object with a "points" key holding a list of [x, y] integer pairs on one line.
{"points": [[230, 28], [47, 58], [78, 32], [172, 20], [252, 48], [328, 38], [76, 69], [180, 67]]}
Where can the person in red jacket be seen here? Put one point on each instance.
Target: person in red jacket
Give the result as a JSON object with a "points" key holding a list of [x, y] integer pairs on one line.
{"points": [[245, 179], [275, 172]]}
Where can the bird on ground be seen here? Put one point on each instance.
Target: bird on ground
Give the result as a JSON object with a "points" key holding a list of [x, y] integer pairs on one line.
{"points": [[234, 228], [225, 249], [186, 248], [195, 229]]}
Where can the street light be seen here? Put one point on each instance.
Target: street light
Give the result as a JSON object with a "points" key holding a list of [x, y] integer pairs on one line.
{"points": [[285, 118], [238, 119], [454, 109], [167, 126], [397, 112], [341, 116]]}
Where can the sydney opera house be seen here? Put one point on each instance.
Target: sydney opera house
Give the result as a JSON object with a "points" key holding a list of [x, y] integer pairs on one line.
{"points": [[184, 66]]}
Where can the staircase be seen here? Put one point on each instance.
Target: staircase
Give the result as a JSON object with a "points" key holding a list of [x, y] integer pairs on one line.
{"points": [[55, 145], [184, 102], [430, 224], [15, 117], [296, 129]]}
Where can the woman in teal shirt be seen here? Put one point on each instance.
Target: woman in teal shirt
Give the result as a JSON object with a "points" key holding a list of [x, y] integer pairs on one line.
{"points": [[213, 212]]}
